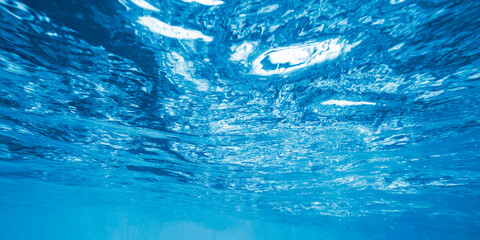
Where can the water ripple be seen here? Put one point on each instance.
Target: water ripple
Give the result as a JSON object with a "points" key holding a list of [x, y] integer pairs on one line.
{"points": [[322, 113]]}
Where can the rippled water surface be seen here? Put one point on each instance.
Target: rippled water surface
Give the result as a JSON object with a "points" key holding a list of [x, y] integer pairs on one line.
{"points": [[209, 119]]}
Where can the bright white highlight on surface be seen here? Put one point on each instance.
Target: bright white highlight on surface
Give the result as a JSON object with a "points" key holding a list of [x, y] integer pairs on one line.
{"points": [[242, 52], [396, 1], [167, 30], [206, 2], [297, 57], [268, 9], [396, 47], [10, 5], [145, 5], [346, 103]]}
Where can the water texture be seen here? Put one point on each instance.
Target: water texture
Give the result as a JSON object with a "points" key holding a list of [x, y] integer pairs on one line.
{"points": [[209, 119]]}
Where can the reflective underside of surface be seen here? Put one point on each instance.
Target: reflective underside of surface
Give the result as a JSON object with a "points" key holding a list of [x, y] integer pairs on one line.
{"points": [[208, 119]]}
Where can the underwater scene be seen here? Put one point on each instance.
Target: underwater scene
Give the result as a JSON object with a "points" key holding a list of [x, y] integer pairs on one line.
{"points": [[228, 119]]}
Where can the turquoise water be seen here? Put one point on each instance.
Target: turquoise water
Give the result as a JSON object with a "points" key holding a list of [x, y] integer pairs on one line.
{"points": [[209, 119]]}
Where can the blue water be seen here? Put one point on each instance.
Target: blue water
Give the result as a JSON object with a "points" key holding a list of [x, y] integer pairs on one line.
{"points": [[209, 119]]}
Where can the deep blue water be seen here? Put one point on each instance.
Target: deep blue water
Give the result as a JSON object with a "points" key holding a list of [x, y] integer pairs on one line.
{"points": [[209, 119]]}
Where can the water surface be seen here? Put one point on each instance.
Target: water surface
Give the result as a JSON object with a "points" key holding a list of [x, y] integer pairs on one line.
{"points": [[209, 119]]}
